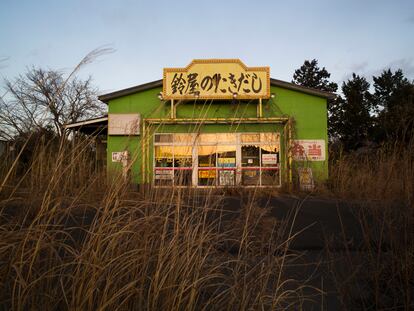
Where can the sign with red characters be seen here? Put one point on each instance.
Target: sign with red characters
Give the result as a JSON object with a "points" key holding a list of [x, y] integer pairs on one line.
{"points": [[308, 150]]}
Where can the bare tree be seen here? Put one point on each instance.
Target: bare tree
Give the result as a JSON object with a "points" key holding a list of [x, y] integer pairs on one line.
{"points": [[47, 99], [40, 99]]}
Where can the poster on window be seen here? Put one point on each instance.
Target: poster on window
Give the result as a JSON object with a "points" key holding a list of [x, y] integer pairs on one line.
{"points": [[226, 178], [308, 150], [164, 174], [269, 159], [207, 174], [226, 162]]}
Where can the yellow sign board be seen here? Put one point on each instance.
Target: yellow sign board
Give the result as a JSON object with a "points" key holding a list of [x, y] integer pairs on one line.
{"points": [[207, 174], [216, 79]]}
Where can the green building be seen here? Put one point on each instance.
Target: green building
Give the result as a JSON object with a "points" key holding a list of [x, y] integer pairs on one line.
{"points": [[216, 123]]}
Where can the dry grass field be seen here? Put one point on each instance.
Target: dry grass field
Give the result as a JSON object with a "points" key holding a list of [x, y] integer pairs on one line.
{"points": [[70, 240]]}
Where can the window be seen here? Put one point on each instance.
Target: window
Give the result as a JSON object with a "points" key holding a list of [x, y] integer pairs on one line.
{"points": [[217, 159], [163, 165], [226, 165], [173, 160], [250, 165], [206, 165], [260, 159], [183, 163], [270, 164]]}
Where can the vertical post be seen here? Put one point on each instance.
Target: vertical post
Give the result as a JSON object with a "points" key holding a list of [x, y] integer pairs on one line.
{"points": [[172, 109], [260, 108], [194, 154], [143, 152], [290, 160], [147, 152], [238, 160], [72, 158], [96, 153]]}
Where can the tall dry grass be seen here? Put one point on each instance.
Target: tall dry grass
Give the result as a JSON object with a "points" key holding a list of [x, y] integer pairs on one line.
{"points": [[70, 239], [383, 173], [377, 272]]}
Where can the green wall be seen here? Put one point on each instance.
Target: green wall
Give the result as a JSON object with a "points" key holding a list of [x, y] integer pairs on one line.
{"points": [[309, 113], [311, 122]]}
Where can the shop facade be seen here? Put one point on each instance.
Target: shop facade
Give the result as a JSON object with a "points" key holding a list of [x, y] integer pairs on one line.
{"points": [[217, 123]]}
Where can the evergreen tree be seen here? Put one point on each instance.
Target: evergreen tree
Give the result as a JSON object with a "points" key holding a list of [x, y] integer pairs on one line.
{"points": [[310, 75], [350, 120], [394, 96]]}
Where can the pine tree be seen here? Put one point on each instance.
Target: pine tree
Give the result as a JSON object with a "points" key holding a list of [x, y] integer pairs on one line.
{"points": [[310, 75], [351, 120], [394, 96]]}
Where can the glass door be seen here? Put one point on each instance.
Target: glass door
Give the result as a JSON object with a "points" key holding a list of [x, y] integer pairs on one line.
{"points": [[250, 159], [207, 165], [269, 150], [216, 154]]}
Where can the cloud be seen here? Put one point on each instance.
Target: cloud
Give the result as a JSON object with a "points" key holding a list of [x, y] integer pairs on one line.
{"points": [[405, 64], [362, 69]]}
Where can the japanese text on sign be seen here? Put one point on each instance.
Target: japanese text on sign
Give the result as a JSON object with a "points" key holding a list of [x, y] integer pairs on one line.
{"points": [[269, 159], [216, 79], [308, 150], [120, 156], [207, 174], [306, 179]]}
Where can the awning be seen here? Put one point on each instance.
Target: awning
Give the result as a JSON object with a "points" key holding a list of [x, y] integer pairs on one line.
{"points": [[95, 126]]}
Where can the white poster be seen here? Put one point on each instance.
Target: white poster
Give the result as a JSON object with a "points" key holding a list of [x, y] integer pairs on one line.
{"points": [[119, 156], [226, 178], [269, 159], [164, 174], [308, 150], [124, 124]]}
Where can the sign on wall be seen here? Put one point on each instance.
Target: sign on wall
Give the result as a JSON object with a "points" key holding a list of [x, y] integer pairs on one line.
{"points": [[308, 150], [306, 182], [124, 123], [120, 156], [216, 79]]}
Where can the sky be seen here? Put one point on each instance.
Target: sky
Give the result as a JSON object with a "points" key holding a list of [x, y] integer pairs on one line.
{"points": [[364, 37]]}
